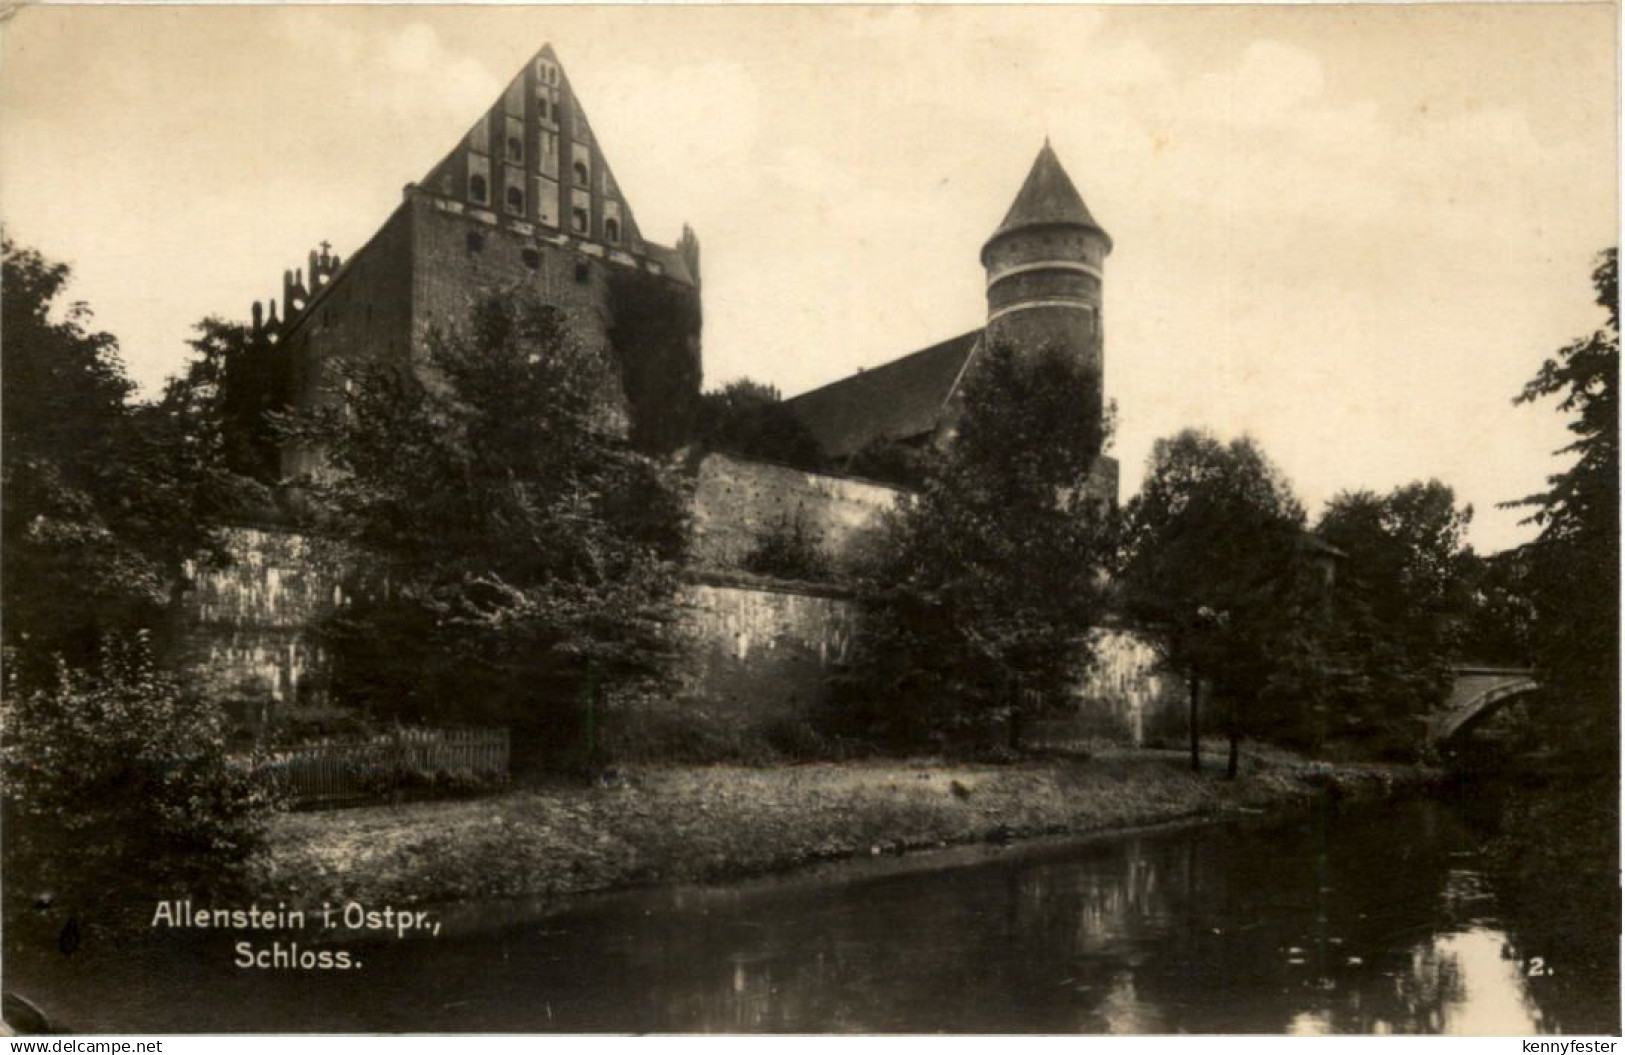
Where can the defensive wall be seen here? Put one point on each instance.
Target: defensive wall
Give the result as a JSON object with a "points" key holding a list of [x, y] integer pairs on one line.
{"points": [[759, 649]]}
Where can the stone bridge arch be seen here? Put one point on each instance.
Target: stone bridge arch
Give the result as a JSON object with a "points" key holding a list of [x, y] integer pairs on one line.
{"points": [[1478, 691]]}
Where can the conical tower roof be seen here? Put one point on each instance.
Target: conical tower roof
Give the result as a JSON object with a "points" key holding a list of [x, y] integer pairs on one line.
{"points": [[1048, 199]]}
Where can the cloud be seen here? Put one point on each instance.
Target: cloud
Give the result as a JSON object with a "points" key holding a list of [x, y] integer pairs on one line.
{"points": [[380, 72]]}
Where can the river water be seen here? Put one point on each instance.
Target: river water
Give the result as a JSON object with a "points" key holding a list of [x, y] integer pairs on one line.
{"points": [[1380, 920]]}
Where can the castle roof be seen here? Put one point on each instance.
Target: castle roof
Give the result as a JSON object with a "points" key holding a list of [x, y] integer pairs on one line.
{"points": [[898, 400], [532, 157], [1047, 199]]}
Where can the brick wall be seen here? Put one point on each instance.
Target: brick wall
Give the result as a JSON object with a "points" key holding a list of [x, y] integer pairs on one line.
{"points": [[245, 630], [737, 500], [759, 652], [449, 273], [365, 312]]}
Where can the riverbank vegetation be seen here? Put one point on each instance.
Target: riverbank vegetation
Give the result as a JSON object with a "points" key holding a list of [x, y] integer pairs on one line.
{"points": [[116, 780], [654, 824]]}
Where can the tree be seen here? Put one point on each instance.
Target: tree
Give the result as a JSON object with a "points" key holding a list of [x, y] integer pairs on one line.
{"points": [[891, 461], [1402, 605], [228, 394], [530, 551], [117, 786], [1573, 565], [993, 576], [654, 335], [105, 498], [1212, 567], [788, 549], [1500, 615], [750, 418]]}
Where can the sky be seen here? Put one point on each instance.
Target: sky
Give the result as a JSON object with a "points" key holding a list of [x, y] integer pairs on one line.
{"points": [[1350, 232]]}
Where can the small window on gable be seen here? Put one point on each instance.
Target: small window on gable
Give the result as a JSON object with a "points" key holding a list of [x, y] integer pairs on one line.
{"points": [[580, 163], [516, 201], [514, 142], [541, 107], [477, 190], [612, 232], [531, 257], [578, 220]]}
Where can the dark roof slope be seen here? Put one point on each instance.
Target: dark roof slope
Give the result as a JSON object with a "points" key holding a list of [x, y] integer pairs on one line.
{"points": [[1046, 198], [898, 400]]}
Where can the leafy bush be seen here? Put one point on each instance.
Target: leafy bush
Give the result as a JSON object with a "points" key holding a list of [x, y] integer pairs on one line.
{"points": [[891, 461], [531, 550], [752, 419], [787, 550], [117, 782], [985, 586], [106, 497]]}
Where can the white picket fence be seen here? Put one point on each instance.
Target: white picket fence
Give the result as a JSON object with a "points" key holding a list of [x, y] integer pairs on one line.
{"points": [[384, 765]]}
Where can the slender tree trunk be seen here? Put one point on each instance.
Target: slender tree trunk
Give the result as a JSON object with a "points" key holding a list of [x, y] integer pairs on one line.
{"points": [[1233, 766], [1013, 725], [1196, 723]]}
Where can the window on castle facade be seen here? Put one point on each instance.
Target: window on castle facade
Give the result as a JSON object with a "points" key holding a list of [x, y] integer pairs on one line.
{"points": [[612, 232], [516, 140], [580, 164], [479, 179], [580, 212], [513, 189]]}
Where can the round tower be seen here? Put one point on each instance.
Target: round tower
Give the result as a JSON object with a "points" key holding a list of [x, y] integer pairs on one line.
{"points": [[1044, 268]]}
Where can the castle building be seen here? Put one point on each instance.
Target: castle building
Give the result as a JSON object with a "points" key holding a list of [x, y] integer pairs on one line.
{"points": [[1044, 267], [526, 199]]}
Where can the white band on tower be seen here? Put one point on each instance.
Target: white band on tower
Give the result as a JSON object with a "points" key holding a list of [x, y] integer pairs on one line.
{"points": [[1046, 265], [1049, 302]]}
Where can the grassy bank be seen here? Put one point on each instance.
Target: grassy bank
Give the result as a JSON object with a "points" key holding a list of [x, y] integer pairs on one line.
{"points": [[665, 824]]}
